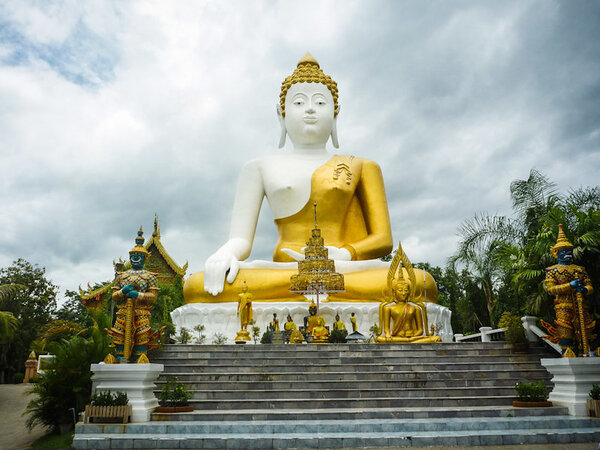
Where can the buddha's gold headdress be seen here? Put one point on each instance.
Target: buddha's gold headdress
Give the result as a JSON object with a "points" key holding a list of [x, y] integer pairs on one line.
{"points": [[139, 244], [309, 71], [561, 242], [396, 273]]}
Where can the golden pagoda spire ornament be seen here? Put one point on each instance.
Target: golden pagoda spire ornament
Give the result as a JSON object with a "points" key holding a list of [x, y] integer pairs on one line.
{"points": [[316, 273]]}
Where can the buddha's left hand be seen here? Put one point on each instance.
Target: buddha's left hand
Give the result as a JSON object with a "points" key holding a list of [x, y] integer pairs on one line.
{"points": [[335, 253]]}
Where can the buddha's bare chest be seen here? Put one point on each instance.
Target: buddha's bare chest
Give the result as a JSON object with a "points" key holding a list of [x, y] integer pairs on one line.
{"points": [[287, 183]]}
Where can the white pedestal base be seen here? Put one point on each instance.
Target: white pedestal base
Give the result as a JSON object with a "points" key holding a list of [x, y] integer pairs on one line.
{"points": [[137, 380], [222, 318], [573, 379]]}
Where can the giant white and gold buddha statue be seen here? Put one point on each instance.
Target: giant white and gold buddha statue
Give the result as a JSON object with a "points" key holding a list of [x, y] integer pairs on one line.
{"points": [[352, 215]]}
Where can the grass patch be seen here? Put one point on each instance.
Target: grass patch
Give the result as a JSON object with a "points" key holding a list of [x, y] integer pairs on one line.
{"points": [[54, 441]]}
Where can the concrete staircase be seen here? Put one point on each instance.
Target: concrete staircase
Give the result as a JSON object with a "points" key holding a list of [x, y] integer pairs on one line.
{"points": [[348, 395]]}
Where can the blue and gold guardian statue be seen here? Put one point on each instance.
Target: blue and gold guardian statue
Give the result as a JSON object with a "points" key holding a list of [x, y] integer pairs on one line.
{"points": [[134, 291]]}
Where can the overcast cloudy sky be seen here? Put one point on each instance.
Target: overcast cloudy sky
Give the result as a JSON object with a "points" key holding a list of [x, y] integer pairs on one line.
{"points": [[112, 111]]}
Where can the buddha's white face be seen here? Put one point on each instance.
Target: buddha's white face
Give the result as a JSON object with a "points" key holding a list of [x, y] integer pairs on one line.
{"points": [[309, 113]]}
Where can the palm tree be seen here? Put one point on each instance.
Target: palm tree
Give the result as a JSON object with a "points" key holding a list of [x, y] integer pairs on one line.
{"points": [[8, 322], [521, 244]]}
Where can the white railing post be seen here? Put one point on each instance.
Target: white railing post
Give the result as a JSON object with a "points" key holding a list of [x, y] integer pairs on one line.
{"points": [[485, 334], [529, 322]]}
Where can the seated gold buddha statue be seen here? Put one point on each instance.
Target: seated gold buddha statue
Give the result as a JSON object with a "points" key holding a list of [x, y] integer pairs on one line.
{"points": [[338, 324], [319, 332], [403, 319], [349, 191]]}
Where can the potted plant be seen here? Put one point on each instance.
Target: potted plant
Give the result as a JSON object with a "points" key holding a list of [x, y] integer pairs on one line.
{"points": [[515, 332], [338, 336], [593, 403], [174, 398], [530, 395], [107, 407]]}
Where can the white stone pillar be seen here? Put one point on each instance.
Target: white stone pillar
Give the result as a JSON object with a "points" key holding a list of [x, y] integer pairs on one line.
{"points": [[137, 380], [528, 323], [573, 379], [485, 334]]}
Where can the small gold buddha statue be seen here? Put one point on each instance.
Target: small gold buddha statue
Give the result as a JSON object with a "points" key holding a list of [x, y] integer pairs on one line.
{"points": [[244, 311], [275, 323], [338, 324], [353, 322], [296, 337], [313, 318], [402, 319], [289, 325], [319, 332]]}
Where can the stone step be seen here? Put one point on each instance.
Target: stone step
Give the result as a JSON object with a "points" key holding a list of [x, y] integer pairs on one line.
{"points": [[195, 385], [323, 361], [340, 433], [350, 367], [310, 414], [339, 440], [341, 426], [289, 352], [331, 394], [350, 402], [405, 375], [370, 348]]}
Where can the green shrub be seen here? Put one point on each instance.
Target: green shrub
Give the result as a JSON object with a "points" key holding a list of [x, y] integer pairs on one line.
{"points": [[106, 398], [267, 337], [68, 384], [536, 391], [595, 392], [174, 394], [184, 336], [219, 339], [18, 377], [515, 333], [338, 336]]}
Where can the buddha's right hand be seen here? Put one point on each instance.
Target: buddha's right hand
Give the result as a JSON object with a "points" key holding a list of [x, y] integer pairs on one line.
{"points": [[217, 266]]}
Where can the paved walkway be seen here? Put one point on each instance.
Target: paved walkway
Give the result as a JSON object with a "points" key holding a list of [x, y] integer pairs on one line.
{"points": [[13, 433]]}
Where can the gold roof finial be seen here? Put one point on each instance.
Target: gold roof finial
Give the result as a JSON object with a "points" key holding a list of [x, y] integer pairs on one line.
{"points": [[309, 71], [315, 206], [156, 232], [561, 241]]}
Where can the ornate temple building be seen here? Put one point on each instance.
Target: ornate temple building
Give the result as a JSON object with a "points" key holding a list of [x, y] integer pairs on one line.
{"points": [[159, 262]]}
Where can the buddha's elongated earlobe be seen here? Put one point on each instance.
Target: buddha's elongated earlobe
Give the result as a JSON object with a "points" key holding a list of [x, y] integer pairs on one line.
{"points": [[334, 136], [282, 124]]}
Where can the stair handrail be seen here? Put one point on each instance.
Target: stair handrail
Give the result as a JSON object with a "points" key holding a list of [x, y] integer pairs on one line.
{"points": [[485, 335], [534, 333]]}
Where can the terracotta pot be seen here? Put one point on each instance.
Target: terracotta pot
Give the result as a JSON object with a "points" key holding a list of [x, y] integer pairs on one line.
{"points": [[519, 404], [98, 414], [173, 409], [593, 407]]}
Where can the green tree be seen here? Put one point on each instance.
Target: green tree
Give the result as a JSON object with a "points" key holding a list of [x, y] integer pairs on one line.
{"points": [[8, 322], [521, 243], [33, 307], [73, 310]]}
